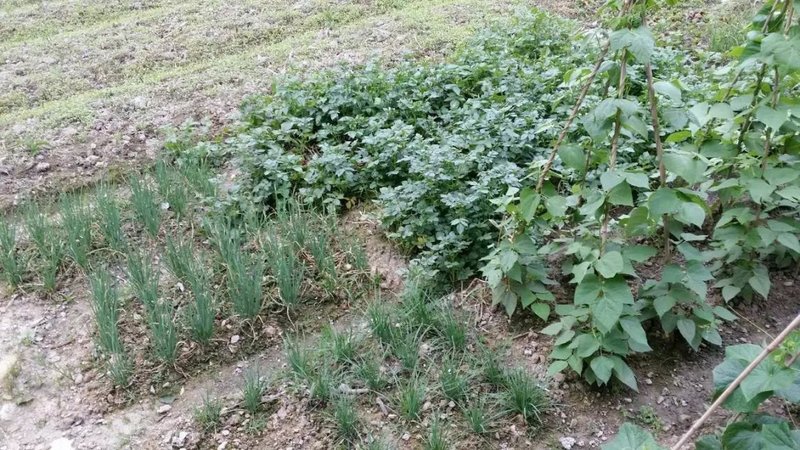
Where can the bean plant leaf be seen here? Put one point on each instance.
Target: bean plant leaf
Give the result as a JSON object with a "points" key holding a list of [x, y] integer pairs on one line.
{"points": [[784, 49], [770, 117], [624, 373], [632, 437], [668, 89], [687, 328], [572, 156], [638, 41], [602, 367], [610, 264]]}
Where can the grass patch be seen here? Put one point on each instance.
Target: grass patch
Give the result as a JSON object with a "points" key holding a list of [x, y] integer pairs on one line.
{"points": [[524, 396], [208, 415], [345, 416], [202, 311], [255, 386], [410, 398], [10, 260], [77, 223], [109, 218], [145, 205]]}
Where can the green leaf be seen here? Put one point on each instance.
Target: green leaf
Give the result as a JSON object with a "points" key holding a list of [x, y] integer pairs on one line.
{"points": [[789, 240], [729, 292], [606, 312], [586, 345], [638, 41], [687, 328], [556, 205], [664, 304], [588, 290], [767, 377], [708, 442], [556, 367], [541, 309], [723, 313], [621, 195], [611, 179], [528, 203], [678, 136], [610, 264], [618, 289], [668, 89], [602, 367], [572, 156], [624, 373], [635, 331], [663, 201], [632, 437], [759, 189], [784, 49], [760, 282], [689, 167], [639, 253], [637, 179], [771, 118], [552, 329]]}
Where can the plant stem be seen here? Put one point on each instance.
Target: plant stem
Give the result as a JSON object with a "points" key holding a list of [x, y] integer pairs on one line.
{"points": [[736, 382], [662, 171]]}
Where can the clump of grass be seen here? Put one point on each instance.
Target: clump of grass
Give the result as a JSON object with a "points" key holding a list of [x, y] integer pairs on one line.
{"points": [[451, 330], [346, 417], [120, 368], [225, 238], [478, 417], [77, 223], [171, 189], [322, 383], [200, 177], [254, 388], [209, 413], [143, 279], [319, 246], [289, 272], [245, 274], [455, 385], [341, 345], [179, 255], [163, 331], [10, 260], [436, 437], [298, 357], [109, 219], [381, 321], [525, 397], [38, 226], [368, 369], [357, 256], [405, 347], [492, 370], [105, 304], [202, 311], [410, 398], [295, 221], [418, 307], [145, 206], [49, 244]]}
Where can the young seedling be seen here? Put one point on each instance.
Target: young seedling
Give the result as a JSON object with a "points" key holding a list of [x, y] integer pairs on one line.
{"points": [[52, 255], [419, 308], [145, 206], [451, 330], [254, 388], [38, 226], [322, 383], [120, 368], [381, 321], [225, 238], [298, 358], [368, 370], [345, 415], [288, 271], [109, 218], [405, 347], [493, 371], [525, 397], [341, 345], [77, 223], [294, 221], [10, 260], [245, 275]]}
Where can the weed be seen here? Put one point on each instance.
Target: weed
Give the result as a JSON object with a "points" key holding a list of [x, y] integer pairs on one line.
{"points": [[203, 310], [209, 413], [357, 256], [294, 221], [200, 178], [648, 417], [52, 254], [145, 206], [418, 307], [410, 398], [225, 238], [492, 369], [38, 226], [436, 438], [525, 397], [478, 417], [298, 357], [105, 303], [10, 261], [346, 417], [374, 443], [288, 271], [143, 279], [179, 254], [455, 385], [245, 276], [254, 388], [110, 218], [77, 223], [342, 346]]}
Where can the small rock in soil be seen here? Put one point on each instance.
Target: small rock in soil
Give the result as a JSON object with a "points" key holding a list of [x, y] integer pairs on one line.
{"points": [[163, 409], [42, 167], [567, 442]]}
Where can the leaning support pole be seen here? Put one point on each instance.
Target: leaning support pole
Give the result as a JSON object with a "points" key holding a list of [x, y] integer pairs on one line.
{"points": [[727, 392]]}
